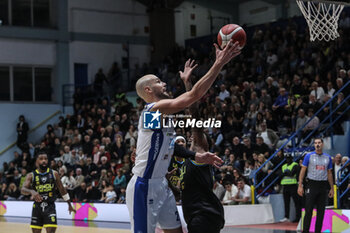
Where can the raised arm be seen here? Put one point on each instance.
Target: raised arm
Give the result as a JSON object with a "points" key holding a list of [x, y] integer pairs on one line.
{"points": [[186, 78], [63, 192], [170, 106], [199, 139]]}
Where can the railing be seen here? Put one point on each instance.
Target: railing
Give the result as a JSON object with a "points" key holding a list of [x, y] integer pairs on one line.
{"points": [[32, 130], [292, 138], [341, 181]]}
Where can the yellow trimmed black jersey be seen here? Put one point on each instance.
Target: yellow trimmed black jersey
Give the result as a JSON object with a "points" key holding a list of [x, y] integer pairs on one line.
{"points": [[45, 184], [197, 181], [177, 163]]}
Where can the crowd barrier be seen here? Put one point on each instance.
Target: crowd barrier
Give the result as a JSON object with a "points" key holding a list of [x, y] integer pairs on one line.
{"points": [[234, 215], [335, 220]]}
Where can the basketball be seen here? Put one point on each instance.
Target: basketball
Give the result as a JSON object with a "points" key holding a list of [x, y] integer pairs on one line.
{"points": [[233, 31]]}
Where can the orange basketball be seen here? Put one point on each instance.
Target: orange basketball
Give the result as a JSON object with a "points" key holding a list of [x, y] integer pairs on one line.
{"points": [[233, 31]]}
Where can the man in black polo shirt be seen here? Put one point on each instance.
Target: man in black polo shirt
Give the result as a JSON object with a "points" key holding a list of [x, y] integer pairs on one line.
{"points": [[261, 147], [248, 149], [319, 171], [237, 150]]}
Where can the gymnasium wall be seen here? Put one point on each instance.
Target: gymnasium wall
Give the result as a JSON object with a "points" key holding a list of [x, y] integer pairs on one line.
{"points": [[183, 21], [116, 17], [256, 12], [249, 12], [117, 21], [259, 12], [102, 55], [15, 52]]}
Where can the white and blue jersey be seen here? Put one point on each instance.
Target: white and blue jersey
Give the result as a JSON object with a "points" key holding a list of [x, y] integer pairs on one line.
{"points": [[154, 150], [148, 197], [317, 166]]}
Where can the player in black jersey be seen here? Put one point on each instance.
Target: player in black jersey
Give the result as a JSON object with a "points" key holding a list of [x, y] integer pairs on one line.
{"points": [[176, 164], [42, 185], [203, 211], [174, 170]]}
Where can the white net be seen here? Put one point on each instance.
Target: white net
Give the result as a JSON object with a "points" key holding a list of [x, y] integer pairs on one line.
{"points": [[322, 19]]}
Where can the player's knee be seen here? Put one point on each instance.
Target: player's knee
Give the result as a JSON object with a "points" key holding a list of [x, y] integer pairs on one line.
{"points": [[36, 230], [51, 229]]}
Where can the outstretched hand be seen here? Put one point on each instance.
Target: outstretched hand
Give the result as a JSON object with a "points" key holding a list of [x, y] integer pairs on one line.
{"points": [[189, 67], [209, 158], [231, 50]]}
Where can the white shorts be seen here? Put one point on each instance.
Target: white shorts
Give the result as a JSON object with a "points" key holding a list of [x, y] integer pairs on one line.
{"points": [[150, 201]]}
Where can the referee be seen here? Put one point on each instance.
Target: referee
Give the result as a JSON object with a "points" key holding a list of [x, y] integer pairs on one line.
{"points": [[318, 165]]}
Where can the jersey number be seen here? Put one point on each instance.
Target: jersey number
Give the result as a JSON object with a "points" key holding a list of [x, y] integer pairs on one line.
{"points": [[177, 216]]}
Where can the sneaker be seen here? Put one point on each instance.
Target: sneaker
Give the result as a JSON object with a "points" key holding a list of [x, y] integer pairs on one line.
{"points": [[284, 220]]}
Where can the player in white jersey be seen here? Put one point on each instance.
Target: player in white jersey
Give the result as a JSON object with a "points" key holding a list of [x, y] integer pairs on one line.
{"points": [[148, 197]]}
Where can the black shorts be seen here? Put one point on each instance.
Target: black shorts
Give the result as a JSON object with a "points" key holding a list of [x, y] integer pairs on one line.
{"points": [[205, 223], [43, 215]]}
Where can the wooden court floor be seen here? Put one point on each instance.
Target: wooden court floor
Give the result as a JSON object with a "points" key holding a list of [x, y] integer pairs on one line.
{"points": [[22, 225], [18, 225]]}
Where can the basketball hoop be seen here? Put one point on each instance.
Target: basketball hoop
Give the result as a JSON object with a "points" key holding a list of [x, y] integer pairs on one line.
{"points": [[322, 18]]}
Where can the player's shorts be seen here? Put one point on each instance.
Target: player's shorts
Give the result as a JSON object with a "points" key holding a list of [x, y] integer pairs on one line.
{"points": [[43, 215], [150, 201], [204, 222]]}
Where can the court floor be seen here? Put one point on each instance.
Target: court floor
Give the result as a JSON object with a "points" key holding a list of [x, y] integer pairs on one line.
{"points": [[21, 225]]}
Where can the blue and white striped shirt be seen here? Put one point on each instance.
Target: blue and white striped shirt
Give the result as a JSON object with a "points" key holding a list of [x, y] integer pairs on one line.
{"points": [[318, 165]]}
